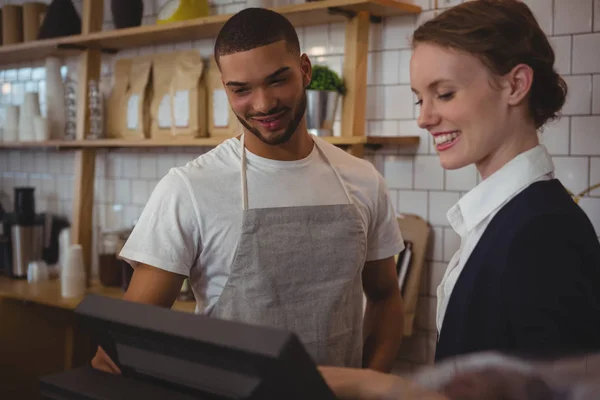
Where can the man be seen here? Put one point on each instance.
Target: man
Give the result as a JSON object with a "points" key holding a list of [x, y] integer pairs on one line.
{"points": [[275, 227]]}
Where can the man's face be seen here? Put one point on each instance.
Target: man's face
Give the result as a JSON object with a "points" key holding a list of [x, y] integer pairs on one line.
{"points": [[266, 90]]}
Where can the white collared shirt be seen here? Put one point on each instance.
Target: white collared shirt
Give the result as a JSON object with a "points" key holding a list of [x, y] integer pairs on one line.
{"points": [[474, 211]]}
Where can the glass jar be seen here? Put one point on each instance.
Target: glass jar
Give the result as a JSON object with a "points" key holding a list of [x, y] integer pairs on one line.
{"points": [[109, 267]]}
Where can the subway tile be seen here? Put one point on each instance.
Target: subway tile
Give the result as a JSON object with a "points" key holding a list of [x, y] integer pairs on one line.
{"points": [[397, 102], [410, 128], [594, 175], [404, 66], [573, 16], [397, 32], [130, 166], [586, 57], [424, 4], [54, 163], [148, 167], [337, 38], [579, 95], [375, 102], [461, 179], [451, 243], [555, 136], [122, 191], [139, 192], [398, 172], [584, 135], [542, 10], [148, 8], [591, 206], [448, 3], [14, 161], [413, 202], [596, 15], [573, 172], [596, 94], [562, 53], [376, 37], [382, 128], [383, 68], [439, 204], [27, 162], [429, 174], [315, 40], [435, 247]]}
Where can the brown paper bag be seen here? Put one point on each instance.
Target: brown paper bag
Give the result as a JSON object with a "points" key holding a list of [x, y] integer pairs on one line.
{"points": [[178, 108], [221, 118], [136, 121], [129, 101], [116, 99]]}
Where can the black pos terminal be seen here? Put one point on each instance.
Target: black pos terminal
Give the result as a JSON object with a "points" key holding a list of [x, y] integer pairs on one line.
{"points": [[166, 354]]}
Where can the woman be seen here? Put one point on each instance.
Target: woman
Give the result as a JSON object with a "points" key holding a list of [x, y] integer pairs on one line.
{"points": [[526, 279]]}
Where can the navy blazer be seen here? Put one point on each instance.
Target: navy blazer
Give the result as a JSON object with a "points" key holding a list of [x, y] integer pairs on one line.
{"points": [[531, 286]]}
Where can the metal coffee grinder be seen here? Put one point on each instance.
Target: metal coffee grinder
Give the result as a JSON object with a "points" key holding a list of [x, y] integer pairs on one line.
{"points": [[27, 236]]}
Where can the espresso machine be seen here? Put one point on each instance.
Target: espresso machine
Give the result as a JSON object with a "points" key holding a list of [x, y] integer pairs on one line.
{"points": [[26, 236]]}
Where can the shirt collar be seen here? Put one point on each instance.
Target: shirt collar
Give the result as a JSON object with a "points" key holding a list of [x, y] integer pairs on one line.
{"points": [[498, 188]]}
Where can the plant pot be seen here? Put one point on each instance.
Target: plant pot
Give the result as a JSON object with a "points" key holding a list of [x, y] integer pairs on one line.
{"points": [[127, 13], [321, 107]]}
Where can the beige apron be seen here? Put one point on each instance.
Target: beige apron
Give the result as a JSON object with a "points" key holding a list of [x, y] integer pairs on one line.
{"points": [[299, 269]]}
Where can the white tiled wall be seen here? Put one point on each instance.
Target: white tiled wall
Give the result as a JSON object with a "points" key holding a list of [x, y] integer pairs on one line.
{"points": [[124, 178]]}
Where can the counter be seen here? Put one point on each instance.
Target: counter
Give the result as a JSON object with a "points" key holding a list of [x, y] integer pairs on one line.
{"points": [[39, 334]]}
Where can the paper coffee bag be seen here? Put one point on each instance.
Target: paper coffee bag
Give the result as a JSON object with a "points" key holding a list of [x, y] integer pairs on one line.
{"points": [[221, 118], [129, 102], [178, 107]]}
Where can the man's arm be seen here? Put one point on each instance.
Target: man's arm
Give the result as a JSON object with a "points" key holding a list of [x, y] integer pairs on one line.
{"points": [[151, 285], [384, 315], [148, 285]]}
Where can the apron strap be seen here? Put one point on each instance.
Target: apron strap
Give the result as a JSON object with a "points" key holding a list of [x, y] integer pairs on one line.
{"points": [[243, 175], [245, 183]]}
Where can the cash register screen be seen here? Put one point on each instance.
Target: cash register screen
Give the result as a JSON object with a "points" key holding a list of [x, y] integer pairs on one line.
{"points": [[200, 355]]}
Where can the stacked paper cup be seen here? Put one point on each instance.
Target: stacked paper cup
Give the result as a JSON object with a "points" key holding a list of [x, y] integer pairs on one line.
{"points": [[72, 275]]}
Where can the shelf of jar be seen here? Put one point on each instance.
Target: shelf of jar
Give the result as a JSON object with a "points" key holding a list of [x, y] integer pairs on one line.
{"points": [[304, 14], [370, 141]]}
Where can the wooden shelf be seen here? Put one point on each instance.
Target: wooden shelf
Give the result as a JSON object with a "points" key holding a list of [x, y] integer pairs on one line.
{"points": [[38, 50], [305, 14], [200, 142]]}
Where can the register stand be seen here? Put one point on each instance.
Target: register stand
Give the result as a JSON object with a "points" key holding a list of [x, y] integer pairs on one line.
{"points": [[166, 354]]}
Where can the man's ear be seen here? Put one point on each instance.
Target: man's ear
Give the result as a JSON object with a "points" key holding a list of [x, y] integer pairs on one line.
{"points": [[306, 67]]}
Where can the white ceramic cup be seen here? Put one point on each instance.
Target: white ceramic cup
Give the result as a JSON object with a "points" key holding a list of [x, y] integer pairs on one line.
{"points": [[11, 124], [37, 271], [40, 127]]}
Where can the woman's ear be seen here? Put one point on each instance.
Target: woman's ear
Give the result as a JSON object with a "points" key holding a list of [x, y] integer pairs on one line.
{"points": [[306, 67], [519, 81]]}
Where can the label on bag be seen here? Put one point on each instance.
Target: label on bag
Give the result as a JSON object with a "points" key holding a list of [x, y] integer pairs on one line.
{"points": [[181, 110], [220, 108], [133, 107]]}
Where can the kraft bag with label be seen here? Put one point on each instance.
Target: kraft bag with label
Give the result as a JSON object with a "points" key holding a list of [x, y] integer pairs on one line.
{"points": [[128, 115], [178, 107], [221, 118]]}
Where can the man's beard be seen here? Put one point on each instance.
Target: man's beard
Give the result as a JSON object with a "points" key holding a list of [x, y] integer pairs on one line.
{"points": [[287, 133]]}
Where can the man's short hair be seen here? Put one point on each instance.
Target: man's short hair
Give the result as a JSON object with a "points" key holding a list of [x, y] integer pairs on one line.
{"points": [[252, 28]]}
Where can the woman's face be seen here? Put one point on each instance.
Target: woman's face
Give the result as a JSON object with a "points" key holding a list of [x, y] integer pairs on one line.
{"points": [[462, 105]]}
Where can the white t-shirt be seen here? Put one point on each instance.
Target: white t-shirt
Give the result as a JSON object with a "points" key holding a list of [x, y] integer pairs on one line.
{"points": [[191, 224]]}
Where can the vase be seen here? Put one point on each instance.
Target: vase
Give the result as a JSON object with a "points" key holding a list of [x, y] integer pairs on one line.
{"points": [[127, 13], [61, 19], [321, 107]]}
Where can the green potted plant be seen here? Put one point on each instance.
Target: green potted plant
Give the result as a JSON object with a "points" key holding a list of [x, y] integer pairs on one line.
{"points": [[322, 98]]}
